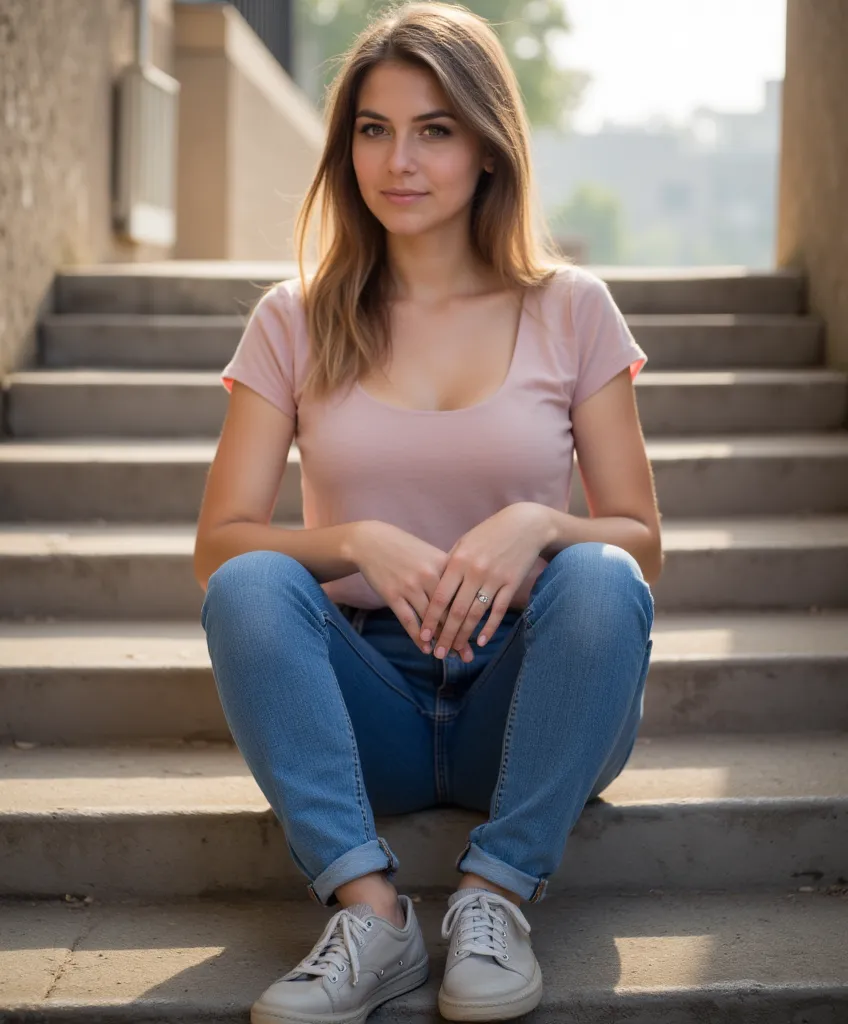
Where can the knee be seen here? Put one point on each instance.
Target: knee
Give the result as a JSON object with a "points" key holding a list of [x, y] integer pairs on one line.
{"points": [[243, 582], [598, 582], [595, 563]]}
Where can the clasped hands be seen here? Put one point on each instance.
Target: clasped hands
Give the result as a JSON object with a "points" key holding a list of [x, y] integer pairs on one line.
{"points": [[495, 557]]}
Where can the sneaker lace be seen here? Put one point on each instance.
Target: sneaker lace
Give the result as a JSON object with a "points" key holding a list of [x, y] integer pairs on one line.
{"points": [[337, 947], [481, 920]]}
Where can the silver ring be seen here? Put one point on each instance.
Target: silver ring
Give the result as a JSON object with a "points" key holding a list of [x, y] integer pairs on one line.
{"points": [[482, 597]]}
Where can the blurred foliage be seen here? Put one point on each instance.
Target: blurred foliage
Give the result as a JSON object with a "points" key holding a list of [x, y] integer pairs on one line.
{"points": [[528, 29], [594, 214]]}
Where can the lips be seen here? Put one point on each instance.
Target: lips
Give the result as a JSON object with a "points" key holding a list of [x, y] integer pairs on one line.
{"points": [[391, 192]]}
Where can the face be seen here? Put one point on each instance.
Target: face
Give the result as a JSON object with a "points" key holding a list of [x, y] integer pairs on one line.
{"points": [[405, 139]]}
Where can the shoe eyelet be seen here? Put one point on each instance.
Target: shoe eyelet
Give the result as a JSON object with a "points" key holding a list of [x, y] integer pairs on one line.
{"points": [[343, 968], [381, 973], [334, 977], [368, 924], [400, 963], [505, 956]]}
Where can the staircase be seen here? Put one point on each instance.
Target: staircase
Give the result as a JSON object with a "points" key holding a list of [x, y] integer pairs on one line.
{"points": [[143, 876]]}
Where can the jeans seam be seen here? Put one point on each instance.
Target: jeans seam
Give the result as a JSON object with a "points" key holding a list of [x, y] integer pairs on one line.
{"points": [[508, 730], [377, 671], [488, 671], [438, 722], [357, 768]]}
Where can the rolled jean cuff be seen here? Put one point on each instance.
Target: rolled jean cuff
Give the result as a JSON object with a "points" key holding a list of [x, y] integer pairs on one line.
{"points": [[484, 864], [374, 855]]}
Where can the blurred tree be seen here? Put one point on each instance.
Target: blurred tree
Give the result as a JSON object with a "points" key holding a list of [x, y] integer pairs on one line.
{"points": [[594, 214], [528, 29]]}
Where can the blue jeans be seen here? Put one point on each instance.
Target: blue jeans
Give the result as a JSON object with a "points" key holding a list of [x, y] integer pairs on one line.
{"points": [[339, 716]]}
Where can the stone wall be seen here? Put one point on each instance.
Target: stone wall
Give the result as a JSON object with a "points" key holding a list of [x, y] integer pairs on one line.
{"points": [[813, 216], [58, 59]]}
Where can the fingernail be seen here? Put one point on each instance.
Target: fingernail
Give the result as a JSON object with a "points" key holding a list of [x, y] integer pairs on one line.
{"points": [[425, 634], [481, 640], [440, 652]]}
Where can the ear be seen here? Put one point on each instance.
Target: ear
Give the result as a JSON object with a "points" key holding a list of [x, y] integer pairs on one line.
{"points": [[489, 165]]}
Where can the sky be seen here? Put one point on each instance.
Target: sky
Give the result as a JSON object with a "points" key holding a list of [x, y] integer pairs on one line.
{"points": [[667, 57]]}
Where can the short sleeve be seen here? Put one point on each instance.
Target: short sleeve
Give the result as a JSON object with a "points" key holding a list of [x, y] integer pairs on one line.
{"points": [[264, 357], [604, 342]]}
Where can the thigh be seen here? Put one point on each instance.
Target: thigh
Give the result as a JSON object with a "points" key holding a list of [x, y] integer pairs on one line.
{"points": [[394, 733]]}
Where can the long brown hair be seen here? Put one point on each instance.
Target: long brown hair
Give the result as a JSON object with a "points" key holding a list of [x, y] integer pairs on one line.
{"points": [[345, 301]]}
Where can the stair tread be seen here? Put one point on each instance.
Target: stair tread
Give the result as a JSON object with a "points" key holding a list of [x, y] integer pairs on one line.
{"points": [[169, 320], [182, 450], [151, 644], [206, 320], [109, 539], [213, 777], [210, 958], [85, 377]]}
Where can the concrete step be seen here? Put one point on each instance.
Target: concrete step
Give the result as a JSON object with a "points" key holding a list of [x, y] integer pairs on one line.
{"points": [[688, 341], [84, 683], [151, 480], [154, 342], [693, 812], [218, 287], [96, 403], [661, 958], [130, 571], [222, 287]]}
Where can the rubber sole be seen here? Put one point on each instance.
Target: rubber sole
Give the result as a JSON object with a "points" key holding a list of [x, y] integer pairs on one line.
{"points": [[452, 1009], [406, 982]]}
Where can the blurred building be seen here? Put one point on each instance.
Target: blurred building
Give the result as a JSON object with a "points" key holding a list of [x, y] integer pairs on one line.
{"points": [[704, 193]]}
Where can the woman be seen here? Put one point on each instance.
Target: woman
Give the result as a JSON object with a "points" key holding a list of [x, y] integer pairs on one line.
{"points": [[442, 631]]}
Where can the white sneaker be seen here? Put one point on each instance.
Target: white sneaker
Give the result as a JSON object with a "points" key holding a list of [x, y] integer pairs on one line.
{"points": [[491, 971], [360, 961]]}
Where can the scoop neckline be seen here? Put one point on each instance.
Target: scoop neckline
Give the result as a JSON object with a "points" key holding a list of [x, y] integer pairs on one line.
{"points": [[519, 335]]}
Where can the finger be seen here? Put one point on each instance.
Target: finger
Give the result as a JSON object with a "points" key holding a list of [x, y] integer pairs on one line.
{"points": [[461, 607], [436, 613], [409, 611], [499, 608], [421, 604], [475, 613]]}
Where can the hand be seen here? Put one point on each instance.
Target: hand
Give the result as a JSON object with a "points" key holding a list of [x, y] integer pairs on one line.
{"points": [[494, 557], [403, 569]]}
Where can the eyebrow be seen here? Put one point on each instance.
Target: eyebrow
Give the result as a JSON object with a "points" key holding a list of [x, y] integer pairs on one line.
{"points": [[421, 117]]}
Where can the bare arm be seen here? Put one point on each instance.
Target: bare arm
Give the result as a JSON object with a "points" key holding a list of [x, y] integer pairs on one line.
{"points": [[617, 479], [241, 491]]}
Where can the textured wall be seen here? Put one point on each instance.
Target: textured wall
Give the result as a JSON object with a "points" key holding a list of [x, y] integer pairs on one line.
{"points": [[58, 59], [813, 217]]}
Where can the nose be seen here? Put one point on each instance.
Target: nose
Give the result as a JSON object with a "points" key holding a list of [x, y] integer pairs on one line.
{"points": [[401, 158]]}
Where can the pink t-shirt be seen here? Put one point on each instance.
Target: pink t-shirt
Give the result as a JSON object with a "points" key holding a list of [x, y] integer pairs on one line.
{"points": [[437, 474]]}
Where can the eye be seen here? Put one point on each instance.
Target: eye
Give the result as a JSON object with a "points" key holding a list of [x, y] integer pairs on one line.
{"points": [[441, 130]]}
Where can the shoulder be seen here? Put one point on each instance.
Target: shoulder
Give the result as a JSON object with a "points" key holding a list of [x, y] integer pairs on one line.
{"points": [[582, 296], [571, 281], [281, 311], [571, 293]]}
